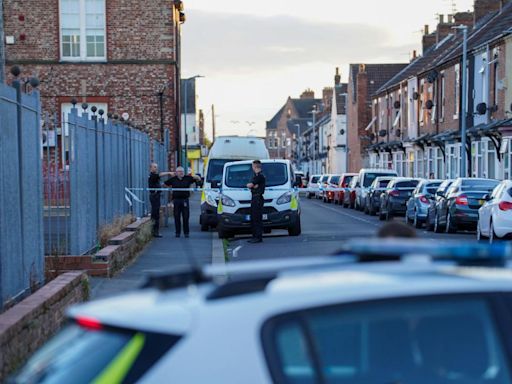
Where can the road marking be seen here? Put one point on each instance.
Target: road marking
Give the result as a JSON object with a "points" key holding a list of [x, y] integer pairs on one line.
{"points": [[346, 214], [236, 250]]}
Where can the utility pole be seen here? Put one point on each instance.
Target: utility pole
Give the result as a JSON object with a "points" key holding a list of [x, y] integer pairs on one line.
{"points": [[213, 122], [2, 43]]}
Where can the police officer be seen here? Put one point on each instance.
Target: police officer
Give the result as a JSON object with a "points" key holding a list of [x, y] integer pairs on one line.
{"points": [[180, 199], [154, 196], [257, 187]]}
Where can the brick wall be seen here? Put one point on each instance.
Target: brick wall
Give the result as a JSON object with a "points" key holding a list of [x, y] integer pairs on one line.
{"points": [[141, 52], [28, 325], [450, 121]]}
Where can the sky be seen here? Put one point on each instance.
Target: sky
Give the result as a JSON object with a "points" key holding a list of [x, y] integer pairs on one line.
{"points": [[254, 54]]}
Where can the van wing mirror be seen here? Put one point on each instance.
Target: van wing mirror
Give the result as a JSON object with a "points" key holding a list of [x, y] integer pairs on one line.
{"points": [[215, 184]]}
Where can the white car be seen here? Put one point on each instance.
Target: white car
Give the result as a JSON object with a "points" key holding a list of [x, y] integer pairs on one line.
{"points": [[281, 208], [309, 320], [495, 216], [314, 183]]}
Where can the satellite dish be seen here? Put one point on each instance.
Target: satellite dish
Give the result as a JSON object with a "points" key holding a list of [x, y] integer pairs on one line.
{"points": [[481, 108], [429, 104]]}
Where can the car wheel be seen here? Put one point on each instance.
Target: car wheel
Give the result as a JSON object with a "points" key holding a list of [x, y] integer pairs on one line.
{"points": [[223, 234], [429, 226], [295, 229], [449, 224], [416, 222], [371, 212], [309, 196], [437, 225], [205, 227]]}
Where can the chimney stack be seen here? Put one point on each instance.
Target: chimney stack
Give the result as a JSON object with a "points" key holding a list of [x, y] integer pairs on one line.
{"points": [[485, 7], [463, 18], [414, 55], [337, 77], [441, 19], [428, 40], [308, 94], [450, 19]]}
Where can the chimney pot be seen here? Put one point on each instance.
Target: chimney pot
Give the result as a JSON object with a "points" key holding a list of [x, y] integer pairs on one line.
{"points": [[441, 19], [425, 30]]}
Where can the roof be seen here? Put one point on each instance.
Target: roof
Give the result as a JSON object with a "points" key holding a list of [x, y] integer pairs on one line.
{"points": [[294, 124], [272, 124], [490, 28], [423, 63], [377, 74], [302, 106]]}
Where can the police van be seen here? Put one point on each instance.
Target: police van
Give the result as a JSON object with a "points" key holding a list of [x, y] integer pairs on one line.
{"points": [[225, 149], [281, 208]]}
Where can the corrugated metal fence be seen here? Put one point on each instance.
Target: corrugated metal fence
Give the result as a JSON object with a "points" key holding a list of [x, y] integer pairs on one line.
{"points": [[92, 161], [21, 205]]}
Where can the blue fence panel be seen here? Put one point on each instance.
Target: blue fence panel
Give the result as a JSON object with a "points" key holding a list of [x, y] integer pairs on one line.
{"points": [[21, 242]]}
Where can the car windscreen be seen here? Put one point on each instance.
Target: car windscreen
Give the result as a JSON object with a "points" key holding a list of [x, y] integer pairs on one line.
{"points": [[383, 183], [314, 179], [78, 355], [432, 187], [335, 180], [407, 184], [478, 185], [325, 178], [215, 169], [239, 175], [369, 177], [347, 180]]}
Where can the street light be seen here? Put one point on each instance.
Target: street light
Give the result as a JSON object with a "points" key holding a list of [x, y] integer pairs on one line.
{"points": [[463, 160], [299, 141], [185, 82], [314, 113]]}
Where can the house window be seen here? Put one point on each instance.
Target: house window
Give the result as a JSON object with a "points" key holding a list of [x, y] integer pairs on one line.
{"points": [[422, 96], [82, 29], [456, 92]]}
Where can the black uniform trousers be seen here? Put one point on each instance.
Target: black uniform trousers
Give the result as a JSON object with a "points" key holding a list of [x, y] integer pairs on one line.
{"points": [[257, 216], [181, 211], [154, 199]]}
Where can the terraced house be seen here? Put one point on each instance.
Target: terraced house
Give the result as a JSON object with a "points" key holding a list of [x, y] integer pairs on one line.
{"points": [[122, 56], [418, 114]]}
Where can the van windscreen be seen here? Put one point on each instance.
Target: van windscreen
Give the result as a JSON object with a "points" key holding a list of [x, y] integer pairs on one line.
{"points": [[215, 168], [369, 177], [239, 175]]}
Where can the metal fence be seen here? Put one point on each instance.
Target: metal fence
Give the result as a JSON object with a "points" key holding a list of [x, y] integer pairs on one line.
{"points": [[21, 208], [88, 165]]}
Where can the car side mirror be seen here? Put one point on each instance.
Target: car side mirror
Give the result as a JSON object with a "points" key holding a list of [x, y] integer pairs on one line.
{"points": [[358, 185], [215, 184]]}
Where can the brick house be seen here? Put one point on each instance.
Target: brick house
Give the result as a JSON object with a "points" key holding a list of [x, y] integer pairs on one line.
{"points": [[427, 140], [119, 55], [283, 129], [364, 80]]}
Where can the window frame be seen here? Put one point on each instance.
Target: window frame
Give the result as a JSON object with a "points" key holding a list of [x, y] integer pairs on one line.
{"points": [[83, 36], [500, 311]]}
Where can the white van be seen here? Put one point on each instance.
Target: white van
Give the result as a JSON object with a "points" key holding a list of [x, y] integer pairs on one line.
{"points": [[366, 177], [281, 209], [225, 149]]}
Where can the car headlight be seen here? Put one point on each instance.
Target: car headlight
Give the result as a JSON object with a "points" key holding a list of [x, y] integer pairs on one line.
{"points": [[210, 199], [227, 201], [285, 199]]}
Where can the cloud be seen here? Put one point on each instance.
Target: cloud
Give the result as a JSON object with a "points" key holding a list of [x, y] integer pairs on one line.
{"points": [[239, 43]]}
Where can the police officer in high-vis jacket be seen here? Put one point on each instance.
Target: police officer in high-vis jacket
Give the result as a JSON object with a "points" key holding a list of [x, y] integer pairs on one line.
{"points": [[257, 188]]}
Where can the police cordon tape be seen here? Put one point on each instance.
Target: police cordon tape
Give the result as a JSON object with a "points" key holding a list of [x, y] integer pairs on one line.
{"points": [[129, 191]]}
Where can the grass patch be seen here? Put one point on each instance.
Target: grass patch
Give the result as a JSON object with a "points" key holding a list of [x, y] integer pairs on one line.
{"points": [[225, 246], [107, 231]]}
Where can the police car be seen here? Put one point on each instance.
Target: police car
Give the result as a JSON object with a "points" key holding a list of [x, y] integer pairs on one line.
{"points": [[378, 312]]}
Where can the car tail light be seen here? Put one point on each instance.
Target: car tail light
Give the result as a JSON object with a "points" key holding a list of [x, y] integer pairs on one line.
{"points": [[424, 200], [461, 200], [89, 323], [394, 193], [505, 205]]}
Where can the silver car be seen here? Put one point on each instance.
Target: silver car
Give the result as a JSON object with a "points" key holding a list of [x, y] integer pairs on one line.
{"points": [[417, 206]]}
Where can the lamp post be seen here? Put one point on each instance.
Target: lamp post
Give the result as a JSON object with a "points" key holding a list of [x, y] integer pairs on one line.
{"points": [[314, 112], [184, 156], [464, 112], [299, 142]]}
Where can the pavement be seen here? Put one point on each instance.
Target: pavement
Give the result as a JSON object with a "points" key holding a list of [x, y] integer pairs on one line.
{"points": [[161, 254], [324, 228]]}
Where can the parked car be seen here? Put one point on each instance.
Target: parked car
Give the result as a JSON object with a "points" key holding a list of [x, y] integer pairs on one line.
{"points": [[459, 207], [418, 204], [366, 178], [332, 183], [322, 184], [393, 201], [314, 183], [432, 208], [345, 180], [349, 196], [302, 179], [372, 203], [495, 216], [393, 322]]}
